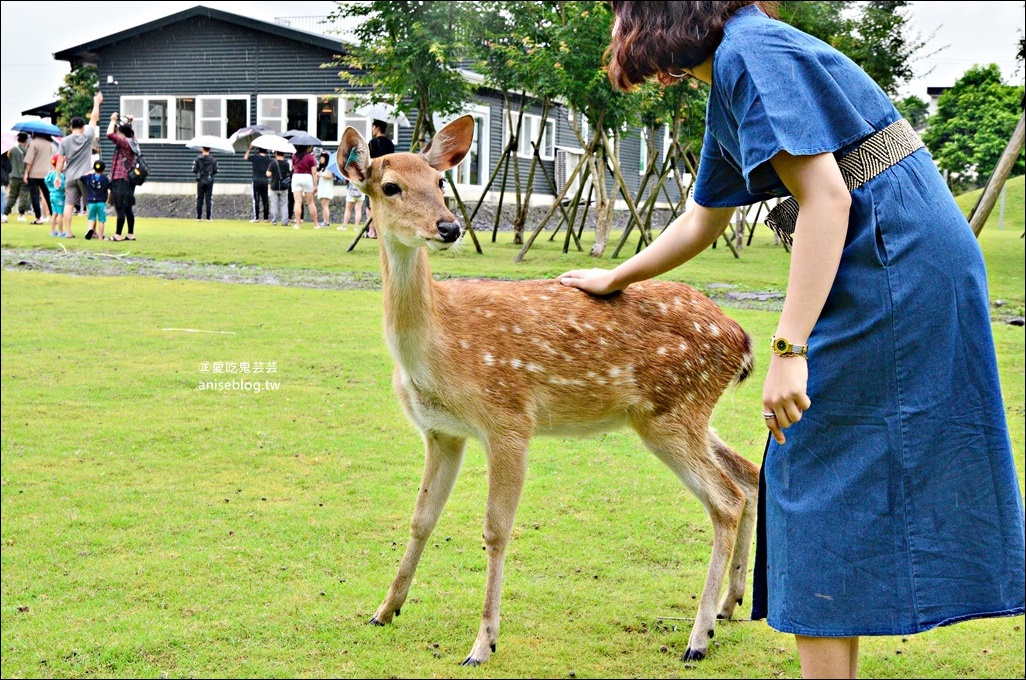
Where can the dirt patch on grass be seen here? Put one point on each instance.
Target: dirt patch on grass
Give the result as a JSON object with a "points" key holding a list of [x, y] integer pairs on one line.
{"points": [[78, 263]]}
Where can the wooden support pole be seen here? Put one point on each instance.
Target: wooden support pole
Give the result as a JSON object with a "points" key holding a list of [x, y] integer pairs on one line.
{"points": [[981, 211]]}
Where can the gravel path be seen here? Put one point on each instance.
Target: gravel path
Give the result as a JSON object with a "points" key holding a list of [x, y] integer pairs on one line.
{"points": [[80, 263]]}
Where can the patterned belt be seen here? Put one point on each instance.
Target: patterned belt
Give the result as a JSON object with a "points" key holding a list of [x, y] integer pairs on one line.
{"points": [[878, 152]]}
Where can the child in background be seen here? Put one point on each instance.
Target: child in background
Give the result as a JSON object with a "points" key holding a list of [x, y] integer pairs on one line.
{"points": [[56, 198], [97, 186], [325, 190]]}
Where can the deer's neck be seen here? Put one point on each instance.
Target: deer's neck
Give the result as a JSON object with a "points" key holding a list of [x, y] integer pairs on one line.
{"points": [[409, 306]]}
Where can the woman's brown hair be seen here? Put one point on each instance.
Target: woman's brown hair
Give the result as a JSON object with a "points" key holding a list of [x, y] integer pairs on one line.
{"points": [[660, 39]]}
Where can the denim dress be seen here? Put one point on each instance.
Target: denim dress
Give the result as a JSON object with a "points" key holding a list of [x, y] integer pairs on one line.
{"points": [[894, 507]]}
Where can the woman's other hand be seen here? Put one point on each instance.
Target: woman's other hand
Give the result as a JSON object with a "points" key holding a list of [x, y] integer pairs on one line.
{"points": [[784, 394]]}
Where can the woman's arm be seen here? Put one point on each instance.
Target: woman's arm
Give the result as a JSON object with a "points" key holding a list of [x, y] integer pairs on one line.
{"points": [[683, 239], [817, 185]]}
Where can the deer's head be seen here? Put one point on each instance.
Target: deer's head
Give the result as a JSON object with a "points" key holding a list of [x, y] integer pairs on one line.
{"points": [[406, 189]]}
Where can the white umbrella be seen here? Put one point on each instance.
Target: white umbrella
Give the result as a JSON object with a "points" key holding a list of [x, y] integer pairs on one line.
{"points": [[383, 111], [211, 142], [273, 143]]}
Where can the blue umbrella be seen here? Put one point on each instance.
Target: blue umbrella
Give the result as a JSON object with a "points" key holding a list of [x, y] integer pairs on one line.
{"points": [[36, 127], [333, 165]]}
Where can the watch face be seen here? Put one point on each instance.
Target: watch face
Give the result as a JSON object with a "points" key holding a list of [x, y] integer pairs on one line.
{"points": [[781, 345]]}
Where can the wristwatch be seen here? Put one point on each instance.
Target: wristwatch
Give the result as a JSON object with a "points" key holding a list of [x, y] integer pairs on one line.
{"points": [[783, 348]]}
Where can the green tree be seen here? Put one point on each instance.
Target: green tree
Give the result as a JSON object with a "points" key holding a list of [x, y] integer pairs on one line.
{"points": [[914, 110], [512, 48], [408, 54], [974, 121], [75, 96], [875, 35], [580, 42]]}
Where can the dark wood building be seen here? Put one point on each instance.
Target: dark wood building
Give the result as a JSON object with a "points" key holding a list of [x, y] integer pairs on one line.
{"points": [[206, 71]]}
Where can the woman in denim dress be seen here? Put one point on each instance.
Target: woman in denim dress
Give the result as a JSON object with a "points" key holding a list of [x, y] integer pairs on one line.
{"points": [[892, 504]]}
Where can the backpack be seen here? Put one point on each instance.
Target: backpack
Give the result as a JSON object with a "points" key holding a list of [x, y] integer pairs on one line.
{"points": [[139, 171]]}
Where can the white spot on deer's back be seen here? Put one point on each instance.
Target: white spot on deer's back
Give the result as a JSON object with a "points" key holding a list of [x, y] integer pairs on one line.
{"points": [[698, 327], [489, 360], [663, 308], [715, 330], [464, 344], [661, 351], [515, 363], [516, 329], [614, 372], [535, 368]]}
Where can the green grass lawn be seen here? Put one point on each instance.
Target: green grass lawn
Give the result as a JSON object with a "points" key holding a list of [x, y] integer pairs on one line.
{"points": [[153, 528]]}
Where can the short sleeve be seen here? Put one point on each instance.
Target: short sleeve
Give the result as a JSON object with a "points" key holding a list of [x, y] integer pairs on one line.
{"points": [[719, 183], [782, 90]]}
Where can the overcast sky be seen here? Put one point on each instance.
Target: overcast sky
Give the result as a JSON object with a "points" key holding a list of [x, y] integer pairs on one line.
{"points": [[963, 34]]}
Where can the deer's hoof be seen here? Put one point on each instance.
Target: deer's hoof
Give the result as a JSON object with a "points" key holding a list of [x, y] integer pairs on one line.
{"points": [[470, 661], [693, 655], [375, 622], [722, 617]]}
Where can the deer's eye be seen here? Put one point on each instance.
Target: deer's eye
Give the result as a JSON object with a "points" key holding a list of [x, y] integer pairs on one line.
{"points": [[441, 184], [390, 188]]}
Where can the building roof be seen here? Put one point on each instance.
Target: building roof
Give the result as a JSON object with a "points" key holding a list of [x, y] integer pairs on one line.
{"points": [[86, 52], [43, 111]]}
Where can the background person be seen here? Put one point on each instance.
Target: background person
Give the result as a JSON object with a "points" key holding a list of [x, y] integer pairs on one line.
{"points": [[204, 167], [260, 163], [867, 524], [37, 165], [379, 145], [303, 164], [19, 190], [76, 161], [279, 176], [97, 188], [354, 206], [325, 189], [122, 191], [55, 185]]}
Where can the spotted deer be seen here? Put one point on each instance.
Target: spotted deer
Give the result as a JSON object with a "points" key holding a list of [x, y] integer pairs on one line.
{"points": [[505, 361]]}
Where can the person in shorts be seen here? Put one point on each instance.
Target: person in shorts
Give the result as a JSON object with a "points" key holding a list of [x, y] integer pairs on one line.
{"points": [[97, 187], [55, 185], [354, 205]]}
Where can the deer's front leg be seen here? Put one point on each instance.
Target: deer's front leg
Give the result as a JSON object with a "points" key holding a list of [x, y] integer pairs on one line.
{"points": [[507, 466], [444, 455]]}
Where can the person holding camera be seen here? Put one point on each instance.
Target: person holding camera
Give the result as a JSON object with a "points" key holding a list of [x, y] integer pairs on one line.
{"points": [[122, 191]]}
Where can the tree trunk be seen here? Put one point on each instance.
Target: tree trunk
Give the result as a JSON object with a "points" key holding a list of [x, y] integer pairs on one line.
{"points": [[602, 212]]}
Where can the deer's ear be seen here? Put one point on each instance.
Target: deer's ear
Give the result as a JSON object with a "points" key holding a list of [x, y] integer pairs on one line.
{"points": [[354, 157], [450, 145]]}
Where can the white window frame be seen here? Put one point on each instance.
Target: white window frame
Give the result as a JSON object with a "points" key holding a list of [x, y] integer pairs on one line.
{"points": [[141, 123], [528, 133], [281, 123]]}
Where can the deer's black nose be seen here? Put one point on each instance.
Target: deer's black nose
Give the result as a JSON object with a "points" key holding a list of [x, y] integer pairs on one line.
{"points": [[449, 231]]}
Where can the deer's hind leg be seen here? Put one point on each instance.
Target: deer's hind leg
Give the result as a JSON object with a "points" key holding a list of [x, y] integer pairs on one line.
{"points": [[684, 446], [745, 474], [443, 456]]}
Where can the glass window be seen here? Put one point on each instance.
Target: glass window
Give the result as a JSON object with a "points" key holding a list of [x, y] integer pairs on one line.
{"points": [[238, 115], [157, 119], [210, 116], [327, 119], [185, 119], [361, 124], [298, 114], [548, 145], [270, 112]]}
